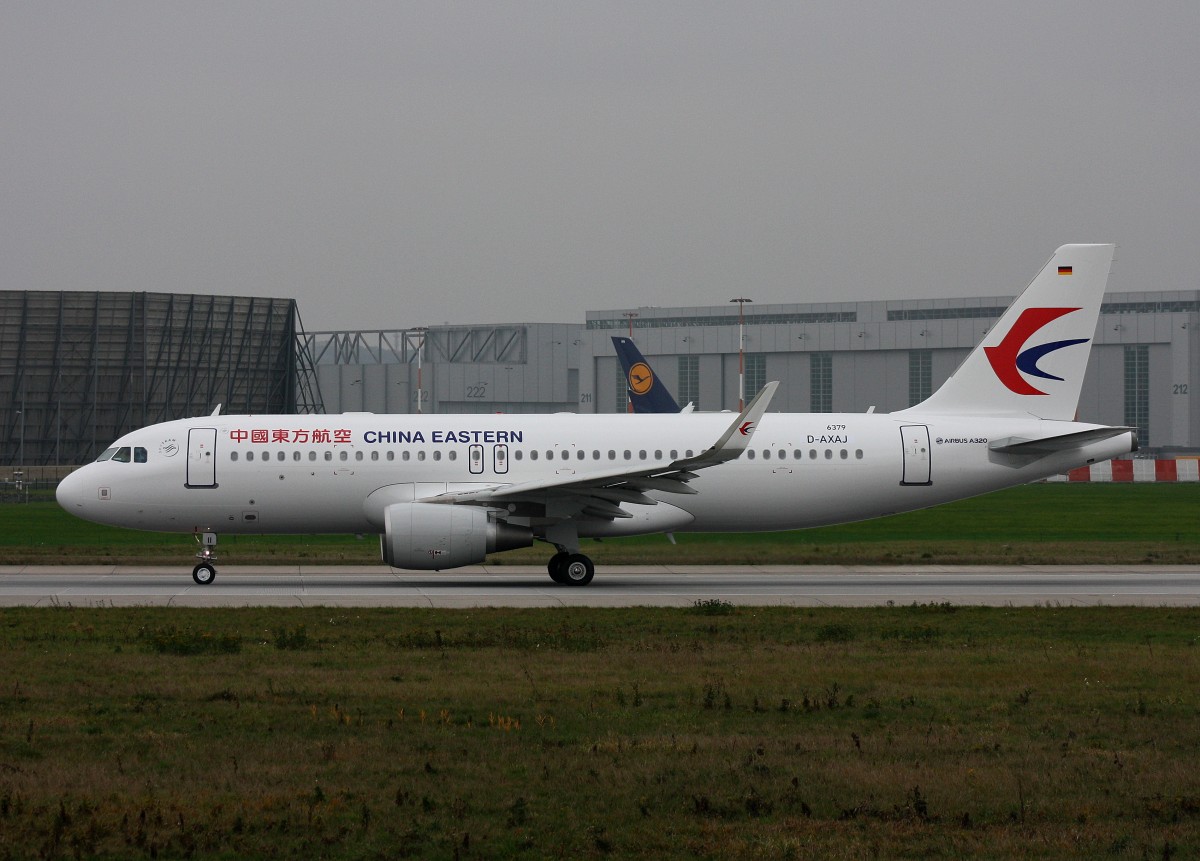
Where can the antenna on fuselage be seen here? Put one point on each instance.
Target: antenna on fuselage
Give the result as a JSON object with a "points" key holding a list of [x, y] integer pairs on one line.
{"points": [[217, 411]]}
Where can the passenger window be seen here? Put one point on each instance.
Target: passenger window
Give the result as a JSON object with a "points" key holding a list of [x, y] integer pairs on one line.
{"points": [[374, 455], [533, 455], [312, 455], [328, 455], [453, 455], [844, 454], [281, 456], [420, 455], [437, 454], [858, 454], [391, 455], [249, 455], [343, 455], [295, 455], [749, 454], [358, 455], [233, 455], [829, 454]]}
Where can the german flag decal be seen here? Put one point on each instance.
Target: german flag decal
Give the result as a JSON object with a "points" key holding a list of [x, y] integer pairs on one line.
{"points": [[1064, 270]]}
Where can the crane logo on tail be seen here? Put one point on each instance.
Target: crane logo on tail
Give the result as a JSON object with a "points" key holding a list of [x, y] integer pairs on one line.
{"points": [[641, 378], [1009, 361]]}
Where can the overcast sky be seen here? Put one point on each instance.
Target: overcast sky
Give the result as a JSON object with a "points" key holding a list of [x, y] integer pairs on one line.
{"points": [[398, 164]]}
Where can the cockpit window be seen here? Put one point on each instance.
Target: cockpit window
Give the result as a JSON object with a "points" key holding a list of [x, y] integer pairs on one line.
{"points": [[125, 454]]}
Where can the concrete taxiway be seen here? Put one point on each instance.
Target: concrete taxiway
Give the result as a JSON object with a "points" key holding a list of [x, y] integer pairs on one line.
{"points": [[614, 586]]}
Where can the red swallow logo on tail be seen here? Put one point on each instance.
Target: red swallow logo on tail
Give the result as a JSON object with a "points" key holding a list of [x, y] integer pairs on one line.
{"points": [[1009, 361]]}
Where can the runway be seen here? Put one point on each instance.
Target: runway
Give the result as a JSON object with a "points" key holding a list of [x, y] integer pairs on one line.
{"points": [[617, 586]]}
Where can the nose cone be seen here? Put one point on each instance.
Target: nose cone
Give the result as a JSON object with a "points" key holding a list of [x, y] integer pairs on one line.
{"points": [[71, 494]]}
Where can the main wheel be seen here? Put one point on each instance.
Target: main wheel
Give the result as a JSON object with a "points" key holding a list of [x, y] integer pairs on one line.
{"points": [[204, 574], [578, 570], [555, 566]]}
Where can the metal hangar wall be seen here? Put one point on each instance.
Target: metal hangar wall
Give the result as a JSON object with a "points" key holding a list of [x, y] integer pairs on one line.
{"points": [[79, 369]]}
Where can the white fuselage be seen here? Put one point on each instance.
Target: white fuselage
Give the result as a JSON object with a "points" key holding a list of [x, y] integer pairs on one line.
{"points": [[336, 473]]}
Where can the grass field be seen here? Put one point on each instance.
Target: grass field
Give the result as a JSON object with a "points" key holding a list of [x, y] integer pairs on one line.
{"points": [[710, 732], [1041, 523]]}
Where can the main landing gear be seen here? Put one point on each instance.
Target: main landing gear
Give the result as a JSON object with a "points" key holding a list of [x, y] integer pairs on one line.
{"points": [[205, 572], [571, 569]]}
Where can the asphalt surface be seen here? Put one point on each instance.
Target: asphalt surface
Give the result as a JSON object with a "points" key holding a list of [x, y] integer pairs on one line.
{"points": [[614, 586]]}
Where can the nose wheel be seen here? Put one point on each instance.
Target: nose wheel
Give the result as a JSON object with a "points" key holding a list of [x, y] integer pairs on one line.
{"points": [[205, 572]]}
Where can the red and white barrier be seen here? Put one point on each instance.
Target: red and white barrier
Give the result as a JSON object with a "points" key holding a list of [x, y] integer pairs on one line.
{"points": [[1182, 469]]}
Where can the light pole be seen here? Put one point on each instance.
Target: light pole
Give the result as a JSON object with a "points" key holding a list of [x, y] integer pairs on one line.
{"points": [[420, 332], [741, 303], [21, 453]]}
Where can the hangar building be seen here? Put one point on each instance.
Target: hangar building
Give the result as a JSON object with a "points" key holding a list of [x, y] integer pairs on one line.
{"points": [[843, 357], [78, 369]]}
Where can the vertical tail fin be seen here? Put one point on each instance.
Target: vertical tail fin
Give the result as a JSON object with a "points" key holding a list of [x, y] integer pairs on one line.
{"points": [[646, 391], [1033, 360]]}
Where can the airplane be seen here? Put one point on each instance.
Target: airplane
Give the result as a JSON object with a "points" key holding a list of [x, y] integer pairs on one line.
{"points": [[444, 491], [647, 394]]}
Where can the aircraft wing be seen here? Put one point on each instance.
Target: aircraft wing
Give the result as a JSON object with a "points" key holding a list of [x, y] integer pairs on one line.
{"points": [[604, 491]]}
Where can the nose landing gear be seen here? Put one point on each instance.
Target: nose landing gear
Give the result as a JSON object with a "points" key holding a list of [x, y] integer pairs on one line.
{"points": [[205, 572]]}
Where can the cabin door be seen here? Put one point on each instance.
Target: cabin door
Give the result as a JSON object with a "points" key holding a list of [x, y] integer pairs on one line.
{"points": [[915, 439], [202, 457]]}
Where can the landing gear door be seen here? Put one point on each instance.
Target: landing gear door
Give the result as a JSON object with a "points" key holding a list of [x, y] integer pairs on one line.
{"points": [[202, 457], [915, 439]]}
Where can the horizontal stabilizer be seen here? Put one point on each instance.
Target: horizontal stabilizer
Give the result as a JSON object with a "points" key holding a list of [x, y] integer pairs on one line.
{"points": [[1058, 442]]}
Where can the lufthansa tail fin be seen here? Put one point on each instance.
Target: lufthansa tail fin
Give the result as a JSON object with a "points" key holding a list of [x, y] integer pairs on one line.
{"points": [[1033, 360], [646, 391]]}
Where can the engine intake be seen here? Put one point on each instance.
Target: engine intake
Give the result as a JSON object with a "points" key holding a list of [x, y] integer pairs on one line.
{"points": [[432, 537]]}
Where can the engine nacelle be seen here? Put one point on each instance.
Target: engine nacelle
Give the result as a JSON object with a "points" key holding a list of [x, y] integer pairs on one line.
{"points": [[432, 537]]}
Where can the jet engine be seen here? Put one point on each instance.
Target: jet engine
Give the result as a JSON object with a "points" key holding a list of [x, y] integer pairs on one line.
{"points": [[432, 537]]}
